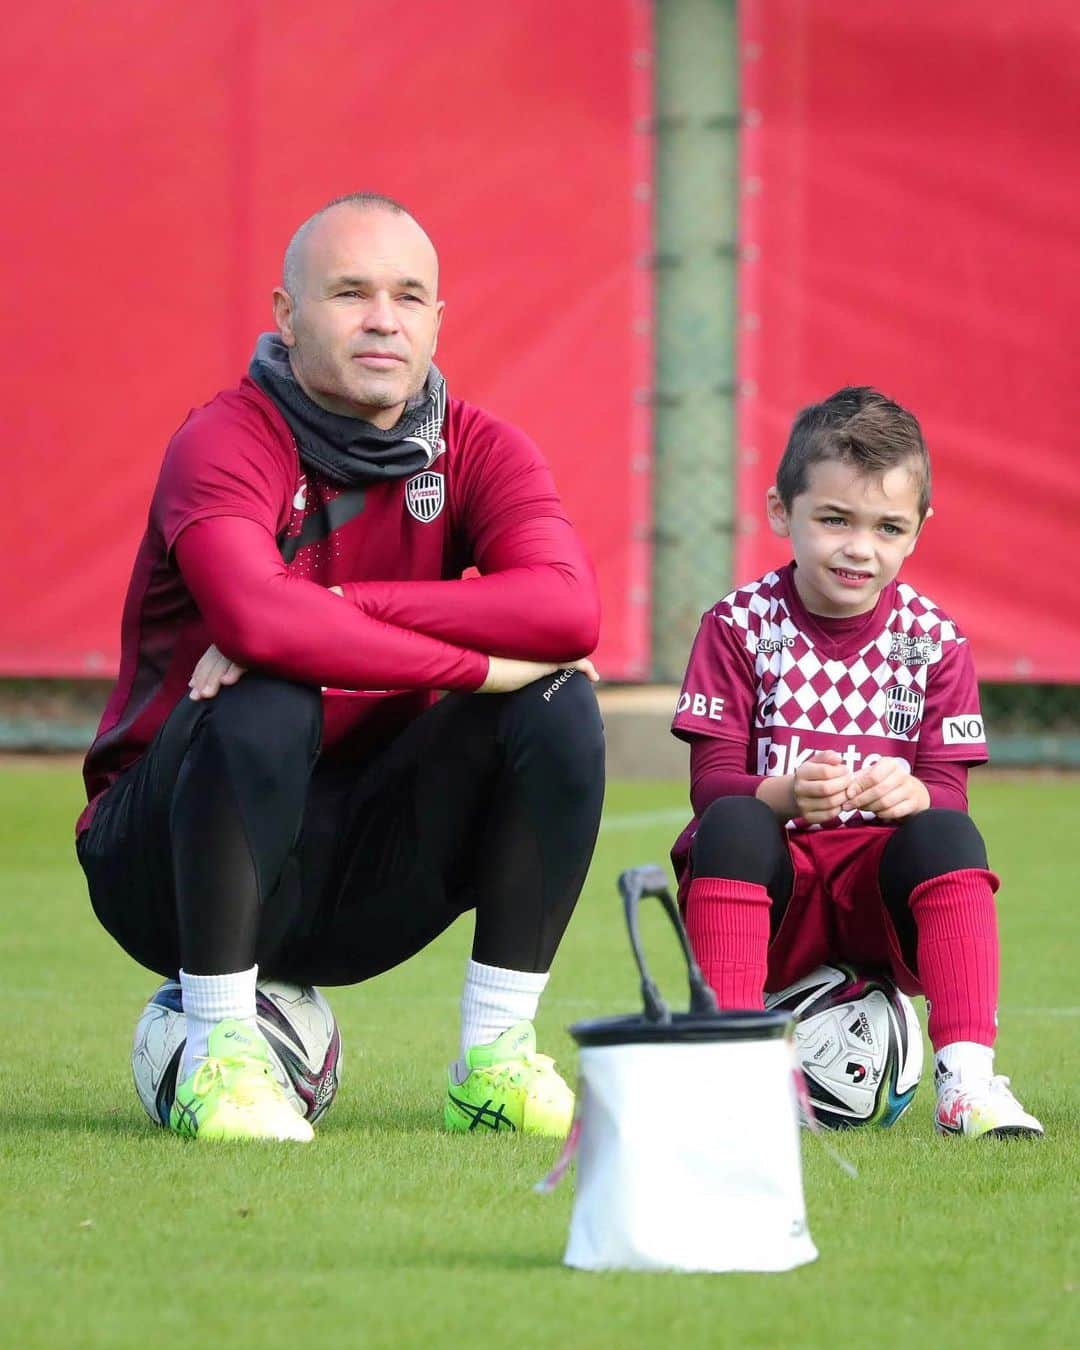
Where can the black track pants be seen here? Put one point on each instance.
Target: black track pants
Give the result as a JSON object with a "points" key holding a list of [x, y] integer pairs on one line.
{"points": [[232, 842]]}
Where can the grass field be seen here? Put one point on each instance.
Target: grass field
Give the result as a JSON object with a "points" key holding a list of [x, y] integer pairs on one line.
{"points": [[386, 1232]]}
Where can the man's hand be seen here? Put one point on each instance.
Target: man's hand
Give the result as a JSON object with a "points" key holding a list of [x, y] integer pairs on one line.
{"points": [[821, 787], [505, 675], [212, 671], [888, 789]]}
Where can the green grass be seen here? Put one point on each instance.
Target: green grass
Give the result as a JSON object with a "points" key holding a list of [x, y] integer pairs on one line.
{"points": [[386, 1232]]}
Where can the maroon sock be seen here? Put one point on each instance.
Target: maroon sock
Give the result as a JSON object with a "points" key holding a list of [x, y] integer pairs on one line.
{"points": [[728, 925], [957, 950]]}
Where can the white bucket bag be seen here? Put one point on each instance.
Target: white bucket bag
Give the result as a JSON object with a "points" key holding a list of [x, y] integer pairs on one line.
{"points": [[687, 1131]]}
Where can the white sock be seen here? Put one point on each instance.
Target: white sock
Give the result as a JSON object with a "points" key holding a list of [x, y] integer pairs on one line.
{"points": [[208, 1000], [962, 1062], [494, 999]]}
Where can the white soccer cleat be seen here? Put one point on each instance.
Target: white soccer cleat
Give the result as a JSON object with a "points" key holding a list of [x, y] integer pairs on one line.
{"points": [[983, 1107]]}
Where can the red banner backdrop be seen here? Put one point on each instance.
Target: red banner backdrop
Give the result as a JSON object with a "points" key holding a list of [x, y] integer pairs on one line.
{"points": [[158, 159], [910, 214]]}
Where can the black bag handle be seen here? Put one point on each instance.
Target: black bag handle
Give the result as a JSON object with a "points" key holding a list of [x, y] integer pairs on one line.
{"points": [[637, 884]]}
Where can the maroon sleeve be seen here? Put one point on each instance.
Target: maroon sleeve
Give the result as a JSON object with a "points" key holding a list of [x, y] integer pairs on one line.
{"points": [[224, 461], [536, 600], [718, 769], [537, 597], [717, 695], [261, 616], [946, 783], [952, 725]]}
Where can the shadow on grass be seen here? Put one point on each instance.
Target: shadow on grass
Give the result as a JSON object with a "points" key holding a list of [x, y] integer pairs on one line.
{"points": [[484, 1260], [112, 1123], [121, 1122], [383, 1119]]}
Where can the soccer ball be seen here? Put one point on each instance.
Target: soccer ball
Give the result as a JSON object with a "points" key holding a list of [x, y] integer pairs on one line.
{"points": [[859, 1045], [298, 1024]]}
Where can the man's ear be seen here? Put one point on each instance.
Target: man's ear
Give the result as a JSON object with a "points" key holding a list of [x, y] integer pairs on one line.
{"points": [[283, 316], [779, 521]]}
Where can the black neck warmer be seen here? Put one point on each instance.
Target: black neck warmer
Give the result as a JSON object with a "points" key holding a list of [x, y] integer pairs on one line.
{"points": [[348, 450]]}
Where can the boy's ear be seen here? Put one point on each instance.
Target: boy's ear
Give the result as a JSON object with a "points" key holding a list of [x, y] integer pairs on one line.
{"points": [[775, 509], [918, 532]]}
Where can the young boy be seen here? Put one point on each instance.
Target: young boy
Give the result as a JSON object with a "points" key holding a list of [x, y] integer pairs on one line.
{"points": [[832, 714]]}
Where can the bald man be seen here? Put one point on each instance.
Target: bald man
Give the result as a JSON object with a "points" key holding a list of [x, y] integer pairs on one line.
{"points": [[276, 787]]}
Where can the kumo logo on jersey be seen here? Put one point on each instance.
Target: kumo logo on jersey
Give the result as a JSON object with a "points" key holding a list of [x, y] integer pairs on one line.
{"points": [[701, 705], [768, 645]]}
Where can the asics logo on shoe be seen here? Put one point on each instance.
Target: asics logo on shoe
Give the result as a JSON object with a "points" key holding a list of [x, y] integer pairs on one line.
{"points": [[483, 1115], [186, 1117]]}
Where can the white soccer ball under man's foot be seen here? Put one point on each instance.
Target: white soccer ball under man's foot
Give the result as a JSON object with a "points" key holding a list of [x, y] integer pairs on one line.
{"points": [[296, 1022], [980, 1106]]}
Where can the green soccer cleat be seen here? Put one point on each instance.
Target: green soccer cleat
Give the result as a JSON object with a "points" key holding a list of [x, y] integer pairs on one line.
{"points": [[510, 1087], [233, 1094]]}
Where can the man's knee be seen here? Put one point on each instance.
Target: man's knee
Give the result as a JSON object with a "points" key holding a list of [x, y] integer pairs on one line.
{"points": [[737, 837], [556, 722], [261, 721]]}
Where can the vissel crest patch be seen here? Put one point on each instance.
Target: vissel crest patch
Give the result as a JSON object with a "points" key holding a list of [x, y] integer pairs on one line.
{"points": [[903, 708], [425, 495]]}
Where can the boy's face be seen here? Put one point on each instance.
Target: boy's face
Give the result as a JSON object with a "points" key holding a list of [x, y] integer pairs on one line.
{"points": [[849, 533]]}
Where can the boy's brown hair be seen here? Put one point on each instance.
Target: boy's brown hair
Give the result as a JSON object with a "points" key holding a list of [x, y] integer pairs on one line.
{"points": [[858, 426]]}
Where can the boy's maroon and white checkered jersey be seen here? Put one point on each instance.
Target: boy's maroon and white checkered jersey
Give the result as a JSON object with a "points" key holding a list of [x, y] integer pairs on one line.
{"points": [[766, 673]]}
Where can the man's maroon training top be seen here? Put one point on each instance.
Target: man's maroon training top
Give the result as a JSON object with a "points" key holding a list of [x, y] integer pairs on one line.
{"points": [[233, 497]]}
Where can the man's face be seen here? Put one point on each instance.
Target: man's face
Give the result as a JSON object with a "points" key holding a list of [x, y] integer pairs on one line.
{"points": [[849, 534], [361, 328]]}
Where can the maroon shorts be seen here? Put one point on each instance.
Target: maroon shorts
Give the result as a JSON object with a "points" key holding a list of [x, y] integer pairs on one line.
{"points": [[836, 911]]}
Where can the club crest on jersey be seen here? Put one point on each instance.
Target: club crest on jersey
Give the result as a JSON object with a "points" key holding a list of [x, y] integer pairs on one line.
{"points": [[903, 708], [425, 494]]}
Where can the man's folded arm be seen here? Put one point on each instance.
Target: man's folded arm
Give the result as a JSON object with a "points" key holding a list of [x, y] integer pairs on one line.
{"points": [[536, 600], [262, 617]]}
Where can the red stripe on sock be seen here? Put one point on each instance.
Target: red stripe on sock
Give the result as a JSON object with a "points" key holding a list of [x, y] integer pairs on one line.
{"points": [[958, 955], [728, 925]]}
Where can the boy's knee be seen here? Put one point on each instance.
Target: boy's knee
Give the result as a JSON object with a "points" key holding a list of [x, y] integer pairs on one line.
{"points": [[931, 844], [948, 841], [737, 837]]}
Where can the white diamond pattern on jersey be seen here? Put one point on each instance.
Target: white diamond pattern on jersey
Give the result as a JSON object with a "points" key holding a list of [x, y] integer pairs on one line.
{"points": [[829, 696], [803, 692], [842, 698]]}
